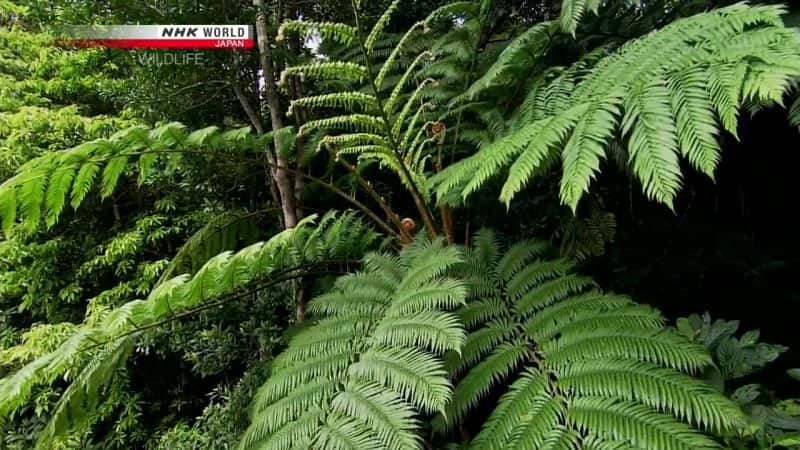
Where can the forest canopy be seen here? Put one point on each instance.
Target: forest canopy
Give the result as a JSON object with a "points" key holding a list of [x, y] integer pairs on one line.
{"points": [[546, 224]]}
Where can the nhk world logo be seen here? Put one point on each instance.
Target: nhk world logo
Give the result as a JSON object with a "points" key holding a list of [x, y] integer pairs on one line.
{"points": [[163, 36]]}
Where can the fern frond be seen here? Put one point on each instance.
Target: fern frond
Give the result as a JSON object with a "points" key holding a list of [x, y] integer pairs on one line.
{"points": [[572, 11], [353, 140], [525, 416], [658, 388], [347, 100], [794, 113], [55, 197], [85, 389], [358, 123], [504, 360], [585, 149], [84, 180], [41, 187], [114, 169], [653, 144], [389, 64], [521, 52], [649, 91], [586, 369], [452, 11], [549, 133], [391, 102], [637, 424], [8, 208], [334, 70], [30, 196], [696, 124], [392, 419], [413, 103], [380, 349]]}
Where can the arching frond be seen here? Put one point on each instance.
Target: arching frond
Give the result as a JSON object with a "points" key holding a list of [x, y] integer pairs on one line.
{"points": [[333, 70], [347, 100], [382, 114], [377, 29], [373, 364], [42, 187], [572, 11], [584, 368], [664, 92]]}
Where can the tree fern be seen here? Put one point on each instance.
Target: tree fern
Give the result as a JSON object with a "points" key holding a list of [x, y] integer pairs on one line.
{"points": [[363, 375], [650, 91], [584, 368], [104, 340], [373, 119]]}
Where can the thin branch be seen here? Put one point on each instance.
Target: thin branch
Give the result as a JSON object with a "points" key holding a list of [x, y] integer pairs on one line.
{"points": [[286, 275], [199, 84], [256, 121], [248, 109]]}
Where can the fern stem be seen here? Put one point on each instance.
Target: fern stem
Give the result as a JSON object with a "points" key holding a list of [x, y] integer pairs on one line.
{"points": [[393, 216], [366, 210], [444, 210], [222, 301]]}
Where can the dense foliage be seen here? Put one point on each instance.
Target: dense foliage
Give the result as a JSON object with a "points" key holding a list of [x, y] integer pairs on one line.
{"points": [[280, 251]]}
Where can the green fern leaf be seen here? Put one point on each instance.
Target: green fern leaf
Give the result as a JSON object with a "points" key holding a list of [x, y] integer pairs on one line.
{"points": [[653, 144], [358, 123], [383, 20], [540, 138], [341, 238], [57, 190], [8, 208], [585, 149], [83, 182], [111, 174], [392, 59], [696, 125], [347, 100], [743, 53], [336, 70], [571, 13], [521, 52]]}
